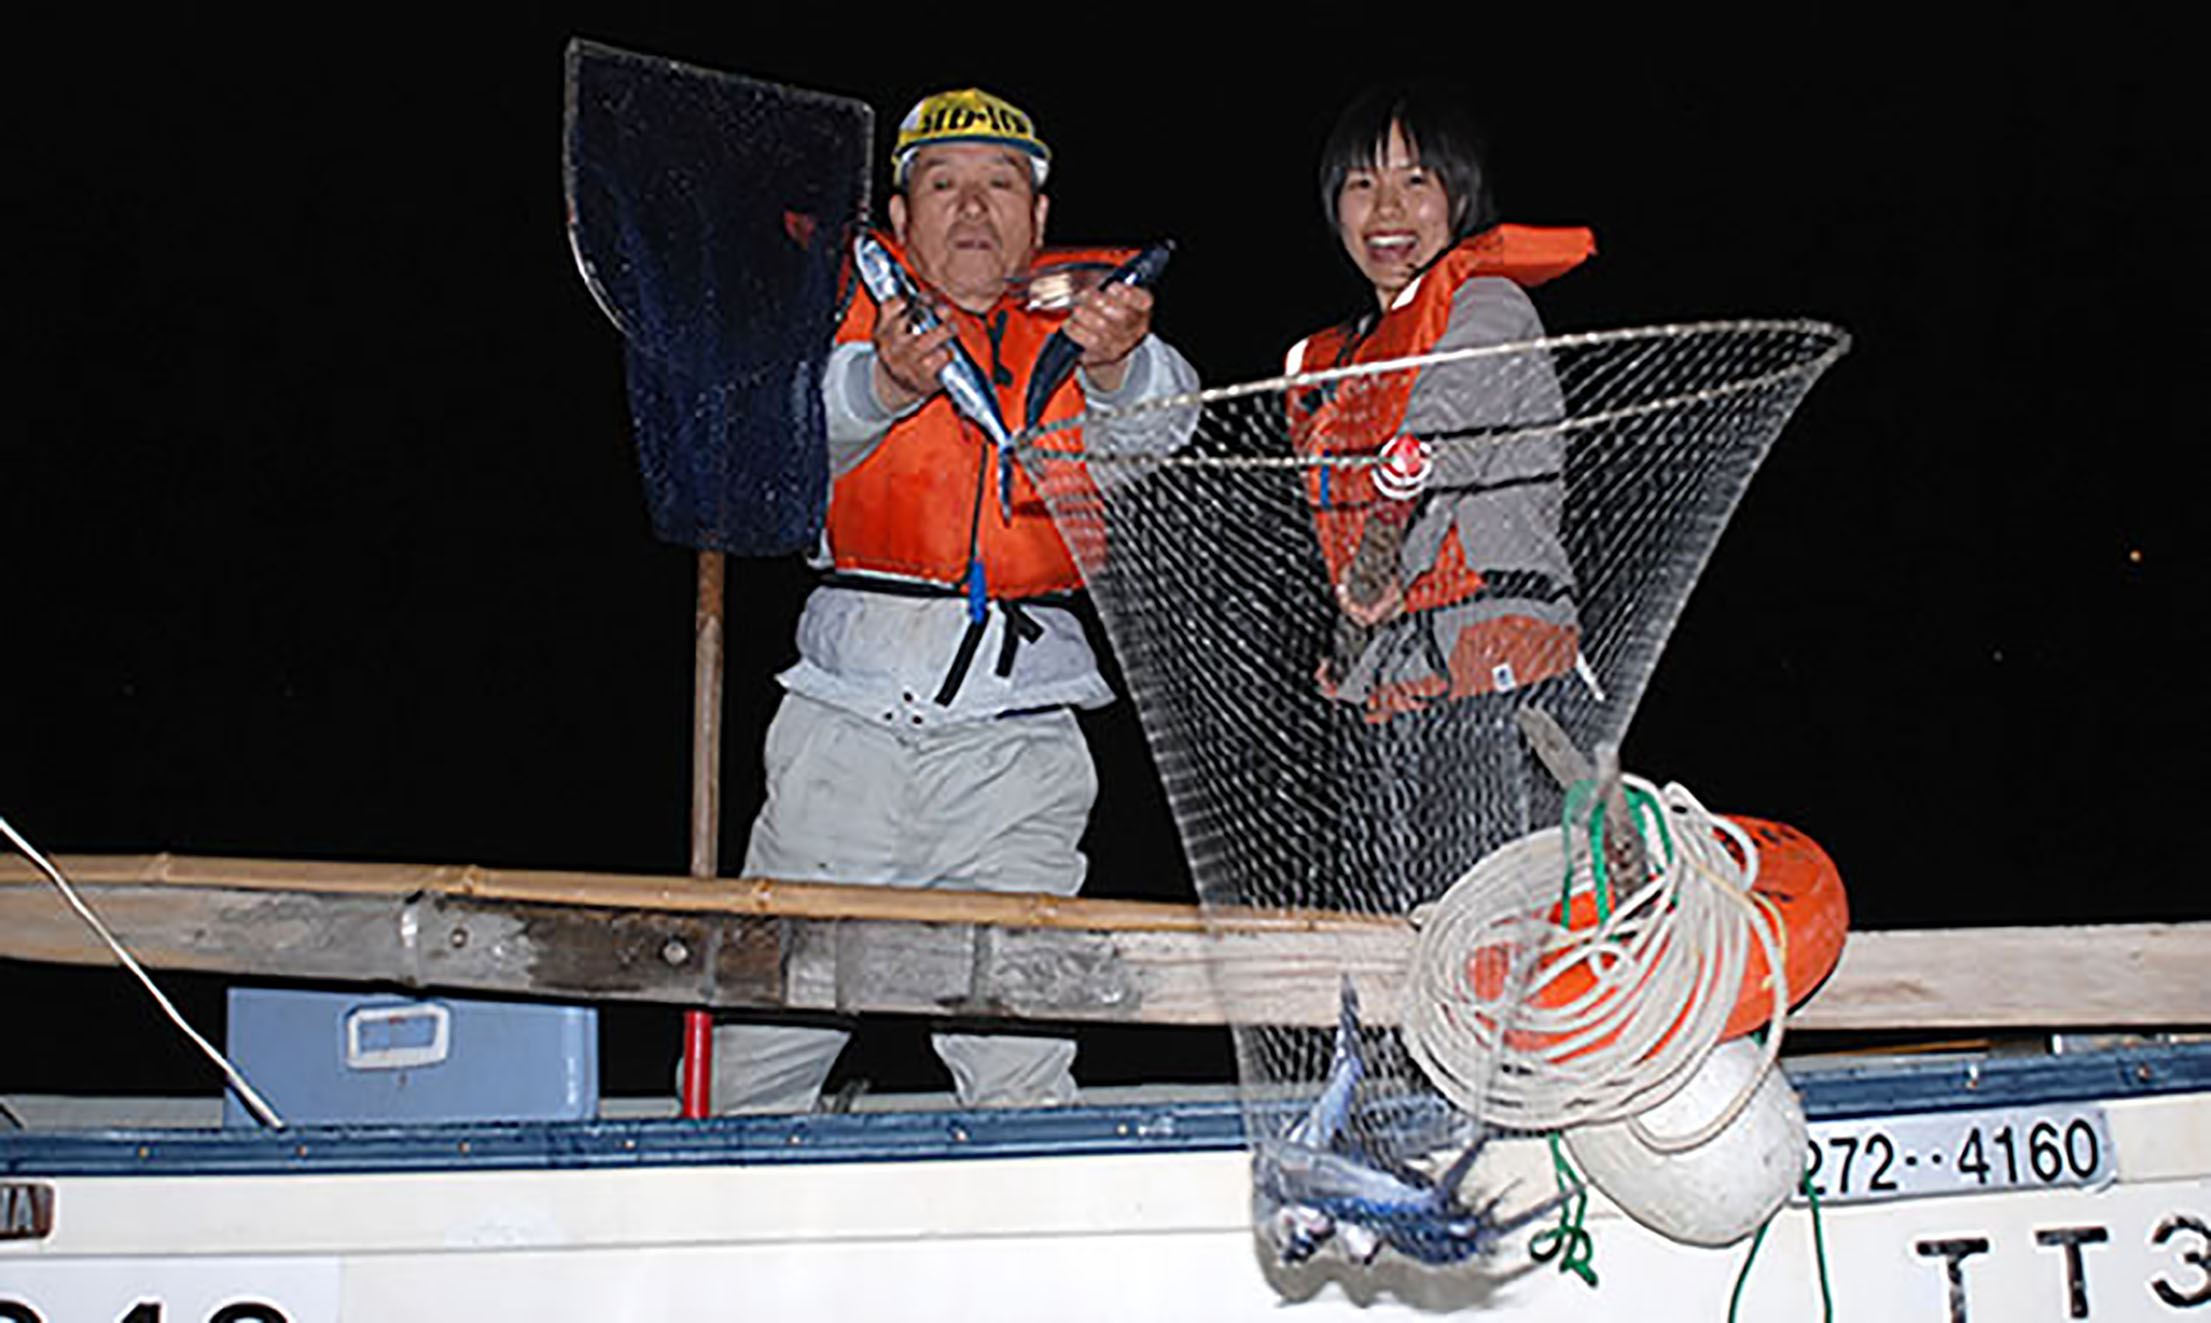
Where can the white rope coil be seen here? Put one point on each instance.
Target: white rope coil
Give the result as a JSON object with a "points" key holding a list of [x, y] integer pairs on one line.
{"points": [[1491, 1013]]}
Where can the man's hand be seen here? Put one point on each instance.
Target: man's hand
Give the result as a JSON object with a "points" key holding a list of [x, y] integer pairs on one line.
{"points": [[906, 361], [1109, 322]]}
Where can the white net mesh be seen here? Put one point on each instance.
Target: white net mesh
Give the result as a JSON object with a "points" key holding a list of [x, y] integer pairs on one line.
{"points": [[1328, 674]]}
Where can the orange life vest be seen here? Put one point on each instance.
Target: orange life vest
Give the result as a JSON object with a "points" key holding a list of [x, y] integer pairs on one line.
{"points": [[1359, 415], [924, 505]]}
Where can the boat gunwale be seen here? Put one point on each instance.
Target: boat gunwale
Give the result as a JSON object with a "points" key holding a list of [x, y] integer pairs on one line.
{"points": [[1831, 1089]]}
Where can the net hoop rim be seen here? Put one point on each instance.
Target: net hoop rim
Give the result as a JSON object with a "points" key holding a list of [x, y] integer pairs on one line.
{"points": [[1808, 370]]}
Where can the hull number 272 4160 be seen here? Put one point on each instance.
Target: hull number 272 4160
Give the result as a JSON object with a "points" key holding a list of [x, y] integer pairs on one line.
{"points": [[1978, 1152]]}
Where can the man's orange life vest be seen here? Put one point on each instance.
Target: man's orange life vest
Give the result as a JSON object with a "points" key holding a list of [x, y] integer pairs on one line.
{"points": [[924, 504], [1359, 415]]}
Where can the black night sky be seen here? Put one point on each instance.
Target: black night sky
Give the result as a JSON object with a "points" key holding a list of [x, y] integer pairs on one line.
{"points": [[322, 535]]}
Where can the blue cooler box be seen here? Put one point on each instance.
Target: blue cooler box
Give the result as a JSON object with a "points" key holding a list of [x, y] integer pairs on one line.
{"points": [[324, 1058]]}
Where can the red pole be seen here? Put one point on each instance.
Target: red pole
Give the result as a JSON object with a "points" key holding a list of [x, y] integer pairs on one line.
{"points": [[706, 809], [698, 1063]]}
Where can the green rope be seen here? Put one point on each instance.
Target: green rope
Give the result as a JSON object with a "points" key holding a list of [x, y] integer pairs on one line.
{"points": [[1819, 1249], [1742, 1279], [1568, 1242], [1646, 815]]}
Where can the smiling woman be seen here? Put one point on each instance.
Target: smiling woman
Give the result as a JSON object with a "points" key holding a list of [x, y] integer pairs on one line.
{"points": [[1447, 564], [1394, 217], [1401, 180]]}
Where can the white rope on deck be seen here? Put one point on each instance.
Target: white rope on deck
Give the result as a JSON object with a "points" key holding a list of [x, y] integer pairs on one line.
{"points": [[258, 1105]]}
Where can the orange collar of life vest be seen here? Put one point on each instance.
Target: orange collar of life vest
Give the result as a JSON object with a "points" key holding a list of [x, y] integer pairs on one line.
{"points": [[1527, 255]]}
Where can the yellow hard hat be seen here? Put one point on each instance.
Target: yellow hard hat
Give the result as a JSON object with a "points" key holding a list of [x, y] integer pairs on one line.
{"points": [[968, 115]]}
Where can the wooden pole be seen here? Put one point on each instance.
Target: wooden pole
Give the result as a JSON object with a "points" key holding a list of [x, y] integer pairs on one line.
{"points": [[767, 944], [706, 808], [179, 876], [706, 720]]}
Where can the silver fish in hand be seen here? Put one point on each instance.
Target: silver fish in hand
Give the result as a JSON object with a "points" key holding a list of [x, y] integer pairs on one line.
{"points": [[962, 378]]}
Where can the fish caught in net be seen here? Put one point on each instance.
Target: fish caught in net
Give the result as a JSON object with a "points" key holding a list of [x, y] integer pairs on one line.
{"points": [[1332, 604]]}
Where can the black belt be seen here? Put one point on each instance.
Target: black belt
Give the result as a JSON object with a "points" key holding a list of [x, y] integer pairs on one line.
{"points": [[1021, 627], [1013, 712]]}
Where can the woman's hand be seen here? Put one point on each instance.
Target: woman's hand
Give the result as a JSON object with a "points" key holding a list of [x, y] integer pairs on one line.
{"points": [[1371, 591]]}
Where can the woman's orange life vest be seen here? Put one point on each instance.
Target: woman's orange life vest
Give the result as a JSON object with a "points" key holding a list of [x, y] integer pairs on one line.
{"points": [[1359, 415], [924, 504]]}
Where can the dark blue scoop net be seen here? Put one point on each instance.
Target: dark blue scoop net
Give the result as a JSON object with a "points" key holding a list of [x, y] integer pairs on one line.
{"points": [[709, 214]]}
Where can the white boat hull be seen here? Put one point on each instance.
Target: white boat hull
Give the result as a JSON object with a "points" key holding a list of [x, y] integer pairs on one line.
{"points": [[1118, 1236]]}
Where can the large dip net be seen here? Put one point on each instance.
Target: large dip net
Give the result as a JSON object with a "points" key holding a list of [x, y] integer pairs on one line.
{"points": [[708, 214], [1334, 598]]}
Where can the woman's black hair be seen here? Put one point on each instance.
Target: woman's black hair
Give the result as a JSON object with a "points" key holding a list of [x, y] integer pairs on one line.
{"points": [[1438, 131]]}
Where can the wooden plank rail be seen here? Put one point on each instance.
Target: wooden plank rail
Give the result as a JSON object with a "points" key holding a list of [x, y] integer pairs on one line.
{"points": [[761, 943]]}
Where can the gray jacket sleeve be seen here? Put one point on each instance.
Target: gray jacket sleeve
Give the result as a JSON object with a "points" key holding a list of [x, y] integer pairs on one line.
{"points": [[857, 420], [1157, 371], [1503, 495]]}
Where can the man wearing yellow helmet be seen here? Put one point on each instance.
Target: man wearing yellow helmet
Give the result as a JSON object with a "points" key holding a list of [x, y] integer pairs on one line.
{"points": [[928, 736], [969, 213]]}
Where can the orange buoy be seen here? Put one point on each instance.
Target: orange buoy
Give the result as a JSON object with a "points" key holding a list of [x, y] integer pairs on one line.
{"points": [[1797, 884], [1804, 887]]}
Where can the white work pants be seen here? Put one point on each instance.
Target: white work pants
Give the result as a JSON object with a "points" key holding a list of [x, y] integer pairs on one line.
{"points": [[996, 805]]}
